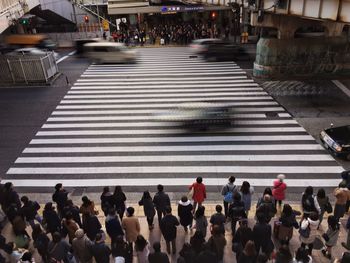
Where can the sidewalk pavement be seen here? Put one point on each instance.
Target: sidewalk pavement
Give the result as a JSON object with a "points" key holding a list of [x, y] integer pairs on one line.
{"points": [[183, 237]]}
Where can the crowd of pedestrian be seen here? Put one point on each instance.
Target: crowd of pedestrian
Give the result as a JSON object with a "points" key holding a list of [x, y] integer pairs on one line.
{"points": [[65, 232], [180, 33]]}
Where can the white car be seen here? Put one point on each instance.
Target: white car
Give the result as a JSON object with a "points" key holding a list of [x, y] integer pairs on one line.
{"points": [[199, 46], [31, 51]]}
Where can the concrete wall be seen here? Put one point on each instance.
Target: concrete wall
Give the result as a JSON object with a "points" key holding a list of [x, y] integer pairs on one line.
{"points": [[302, 57]]}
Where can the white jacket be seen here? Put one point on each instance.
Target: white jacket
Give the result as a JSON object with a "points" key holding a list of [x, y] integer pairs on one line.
{"points": [[313, 230]]}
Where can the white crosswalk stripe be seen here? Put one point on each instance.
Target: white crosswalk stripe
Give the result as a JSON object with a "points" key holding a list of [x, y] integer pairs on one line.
{"points": [[106, 130]]}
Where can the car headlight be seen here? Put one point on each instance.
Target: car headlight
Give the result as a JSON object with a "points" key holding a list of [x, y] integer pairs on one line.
{"points": [[337, 147], [323, 134]]}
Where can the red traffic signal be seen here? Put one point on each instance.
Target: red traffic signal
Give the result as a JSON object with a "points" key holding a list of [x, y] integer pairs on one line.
{"points": [[86, 19], [213, 15]]}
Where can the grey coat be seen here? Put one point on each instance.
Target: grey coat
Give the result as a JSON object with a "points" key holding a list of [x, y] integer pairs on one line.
{"points": [[82, 249]]}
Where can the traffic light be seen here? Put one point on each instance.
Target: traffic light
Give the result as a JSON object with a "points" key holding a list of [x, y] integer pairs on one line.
{"points": [[86, 19], [213, 15], [24, 21]]}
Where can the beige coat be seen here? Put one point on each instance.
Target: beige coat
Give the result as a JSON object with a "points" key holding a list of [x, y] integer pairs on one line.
{"points": [[132, 228], [342, 195]]}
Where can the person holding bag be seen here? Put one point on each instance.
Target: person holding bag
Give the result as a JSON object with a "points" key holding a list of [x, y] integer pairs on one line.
{"points": [[279, 188]]}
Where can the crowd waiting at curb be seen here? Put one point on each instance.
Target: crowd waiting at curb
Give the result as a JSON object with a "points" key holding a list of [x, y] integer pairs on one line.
{"points": [[67, 233]]}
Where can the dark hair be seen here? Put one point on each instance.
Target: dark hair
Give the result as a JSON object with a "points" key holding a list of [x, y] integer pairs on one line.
{"points": [[287, 210], [48, 206], [200, 212], [27, 256], [199, 179], [112, 211], [267, 191], [283, 254], [218, 208], [156, 246], [198, 235], [105, 189], [232, 179], [69, 215], [146, 195], [168, 209], [333, 222], [69, 202], [184, 199], [56, 237], [314, 216], [130, 211], [118, 189], [140, 243], [243, 222], [8, 186], [25, 199], [236, 197], [58, 186], [245, 188], [262, 258], [342, 184], [309, 190], [302, 255], [249, 249], [98, 237], [86, 200], [260, 218], [321, 193], [160, 188]]}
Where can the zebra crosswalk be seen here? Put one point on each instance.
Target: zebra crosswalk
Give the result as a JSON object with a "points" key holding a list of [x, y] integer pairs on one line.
{"points": [[105, 130]]}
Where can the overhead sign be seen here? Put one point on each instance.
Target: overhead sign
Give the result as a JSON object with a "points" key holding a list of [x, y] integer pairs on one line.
{"points": [[174, 9]]}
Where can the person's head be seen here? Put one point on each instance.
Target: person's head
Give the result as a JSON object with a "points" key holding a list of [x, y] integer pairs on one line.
{"points": [[156, 246], [184, 199], [86, 200], [287, 210], [168, 209], [79, 233], [333, 222], [236, 197], [69, 202], [199, 180], [200, 211], [314, 216], [118, 189], [105, 189], [69, 216], [98, 237], [146, 195], [267, 198], [160, 188], [262, 258], [130, 211], [216, 231], [111, 211], [58, 187], [342, 184], [218, 208], [140, 243], [48, 206], [24, 199], [302, 255], [249, 249], [281, 177], [283, 254], [309, 190], [232, 179], [27, 256], [267, 191], [56, 237], [243, 222], [245, 188], [321, 193], [8, 186]]}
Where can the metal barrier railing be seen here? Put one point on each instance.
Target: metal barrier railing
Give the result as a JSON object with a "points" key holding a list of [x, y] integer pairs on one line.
{"points": [[27, 69]]}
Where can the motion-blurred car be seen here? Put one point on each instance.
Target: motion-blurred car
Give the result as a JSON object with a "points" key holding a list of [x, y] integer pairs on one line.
{"points": [[31, 51], [199, 115], [224, 51], [199, 46], [337, 140], [109, 52]]}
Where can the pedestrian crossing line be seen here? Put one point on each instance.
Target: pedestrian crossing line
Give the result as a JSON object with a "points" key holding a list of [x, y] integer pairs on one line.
{"points": [[155, 68], [173, 95], [176, 139], [240, 72], [127, 79], [194, 99], [150, 111], [148, 182], [164, 70], [172, 148], [162, 131], [152, 118], [175, 158], [243, 83], [176, 169], [165, 105]]}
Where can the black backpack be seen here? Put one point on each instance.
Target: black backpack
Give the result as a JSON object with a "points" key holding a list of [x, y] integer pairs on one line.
{"points": [[309, 204]]}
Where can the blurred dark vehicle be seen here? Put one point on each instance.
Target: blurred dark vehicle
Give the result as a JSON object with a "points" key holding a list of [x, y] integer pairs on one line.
{"points": [[337, 140], [223, 51], [79, 44]]}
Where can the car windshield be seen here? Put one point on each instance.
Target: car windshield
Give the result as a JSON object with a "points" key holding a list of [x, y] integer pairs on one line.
{"points": [[340, 134]]}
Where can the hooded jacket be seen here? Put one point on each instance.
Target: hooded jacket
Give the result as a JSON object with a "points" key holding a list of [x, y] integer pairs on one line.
{"points": [[313, 230], [184, 211]]}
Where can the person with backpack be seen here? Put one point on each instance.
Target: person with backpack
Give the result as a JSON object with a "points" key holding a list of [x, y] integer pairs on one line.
{"points": [[236, 211], [227, 192], [29, 211], [309, 202], [279, 188], [266, 208], [308, 231]]}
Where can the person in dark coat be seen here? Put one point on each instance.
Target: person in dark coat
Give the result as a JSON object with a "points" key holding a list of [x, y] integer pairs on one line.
{"points": [[113, 226], [40, 242], [217, 243], [119, 199], [60, 197], [161, 200], [248, 254], [187, 254], [266, 208], [148, 208], [207, 255], [72, 209], [236, 211], [157, 256], [10, 197], [262, 236], [288, 221], [168, 228], [184, 211], [106, 200], [241, 237], [29, 211], [197, 242], [100, 251], [91, 226], [218, 219], [53, 222], [58, 248], [122, 249]]}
